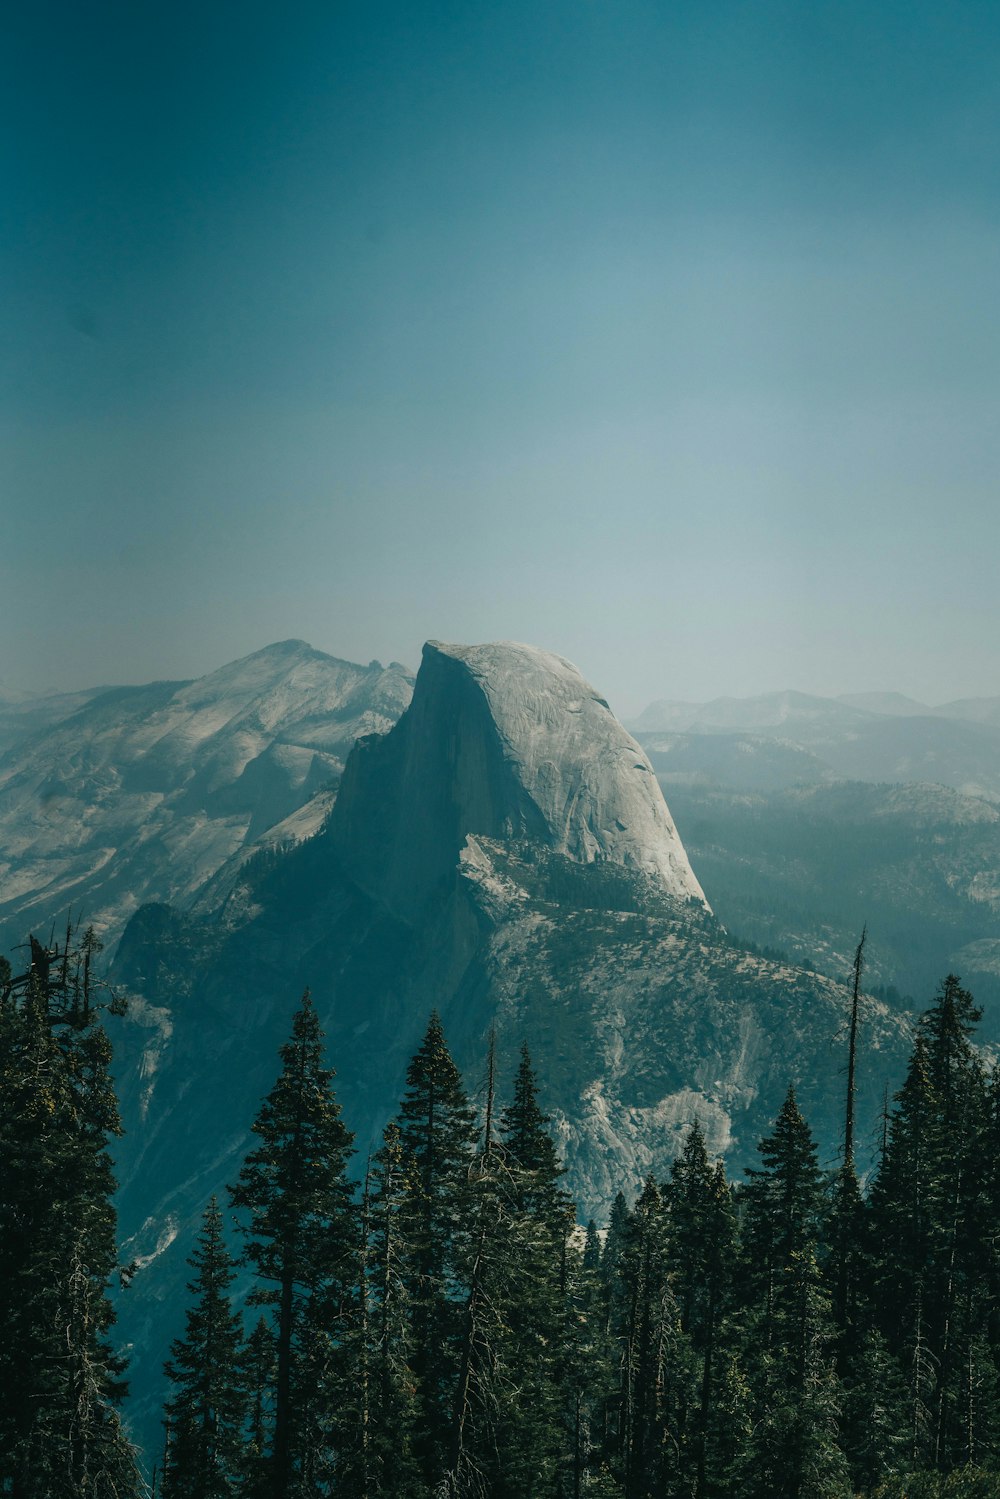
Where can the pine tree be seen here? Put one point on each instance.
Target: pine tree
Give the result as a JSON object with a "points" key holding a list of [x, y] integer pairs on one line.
{"points": [[207, 1410], [590, 1367], [476, 1436], [966, 1237], [301, 1241], [782, 1204], [794, 1451], [873, 1419], [60, 1379], [659, 1375], [437, 1133], [702, 1237], [904, 1202], [532, 1290], [795, 1395], [847, 1267], [257, 1375], [931, 1222], [392, 1466]]}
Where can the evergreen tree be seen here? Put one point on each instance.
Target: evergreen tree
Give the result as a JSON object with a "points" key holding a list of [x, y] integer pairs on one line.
{"points": [[932, 1224], [614, 1243], [956, 1071], [904, 1205], [207, 1410], [965, 1237], [591, 1370], [659, 1375], [782, 1205], [794, 1451], [257, 1373], [301, 1237], [795, 1395], [60, 1379], [702, 1240], [846, 1268], [392, 1466], [532, 1282], [476, 1456], [437, 1133], [873, 1418]]}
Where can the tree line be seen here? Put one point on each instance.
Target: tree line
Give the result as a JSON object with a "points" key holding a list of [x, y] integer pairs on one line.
{"points": [[445, 1328]]}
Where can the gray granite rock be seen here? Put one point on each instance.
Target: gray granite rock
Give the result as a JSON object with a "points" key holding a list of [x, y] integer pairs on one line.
{"points": [[507, 741]]}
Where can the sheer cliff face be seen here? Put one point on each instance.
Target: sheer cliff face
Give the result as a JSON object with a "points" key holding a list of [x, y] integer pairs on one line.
{"points": [[503, 741]]}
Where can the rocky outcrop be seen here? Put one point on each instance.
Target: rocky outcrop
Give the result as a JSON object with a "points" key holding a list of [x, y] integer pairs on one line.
{"points": [[510, 742]]}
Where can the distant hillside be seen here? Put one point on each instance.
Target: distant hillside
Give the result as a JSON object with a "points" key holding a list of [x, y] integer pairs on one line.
{"points": [[146, 793], [799, 869], [865, 737]]}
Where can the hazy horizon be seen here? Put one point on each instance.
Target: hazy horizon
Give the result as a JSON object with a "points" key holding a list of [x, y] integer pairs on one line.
{"points": [[668, 340], [623, 710]]}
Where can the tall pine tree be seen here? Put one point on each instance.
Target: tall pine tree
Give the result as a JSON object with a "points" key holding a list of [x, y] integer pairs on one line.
{"points": [[795, 1451], [60, 1377], [207, 1410], [532, 1290], [438, 1134], [702, 1235], [301, 1230]]}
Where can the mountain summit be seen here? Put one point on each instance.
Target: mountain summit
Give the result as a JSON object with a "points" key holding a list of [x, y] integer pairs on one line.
{"points": [[501, 741], [146, 793]]}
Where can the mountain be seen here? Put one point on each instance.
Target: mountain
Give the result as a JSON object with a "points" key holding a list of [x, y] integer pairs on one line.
{"points": [[504, 854], [864, 737], [984, 710], [799, 868], [23, 714], [748, 762], [665, 716], [146, 793], [771, 712], [891, 704], [504, 741]]}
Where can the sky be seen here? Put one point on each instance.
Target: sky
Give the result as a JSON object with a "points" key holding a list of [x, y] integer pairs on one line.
{"points": [[663, 335]]}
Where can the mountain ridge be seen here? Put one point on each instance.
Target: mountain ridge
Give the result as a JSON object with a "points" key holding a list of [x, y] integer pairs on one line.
{"points": [[147, 792]]}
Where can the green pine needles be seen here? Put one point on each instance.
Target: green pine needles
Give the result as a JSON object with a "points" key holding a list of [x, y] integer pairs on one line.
{"points": [[61, 1378], [446, 1330]]}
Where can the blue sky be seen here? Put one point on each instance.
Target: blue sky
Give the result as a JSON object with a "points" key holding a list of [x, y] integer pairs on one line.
{"points": [[663, 335]]}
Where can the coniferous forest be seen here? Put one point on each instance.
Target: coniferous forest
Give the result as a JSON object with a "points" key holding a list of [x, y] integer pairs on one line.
{"points": [[435, 1323]]}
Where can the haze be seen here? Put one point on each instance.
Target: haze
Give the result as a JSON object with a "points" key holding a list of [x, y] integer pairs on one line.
{"points": [[664, 336]]}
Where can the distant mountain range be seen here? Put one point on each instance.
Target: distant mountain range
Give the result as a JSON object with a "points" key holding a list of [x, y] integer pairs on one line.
{"points": [[807, 816], [772, 710], [881, 737]]}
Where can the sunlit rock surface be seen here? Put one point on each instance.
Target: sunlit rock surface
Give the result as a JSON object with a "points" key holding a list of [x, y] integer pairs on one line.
{"points": [[148, 793], [506, 741]]}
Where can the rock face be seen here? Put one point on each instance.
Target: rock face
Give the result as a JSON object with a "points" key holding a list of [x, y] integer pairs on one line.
{"points": [[509, 742]]}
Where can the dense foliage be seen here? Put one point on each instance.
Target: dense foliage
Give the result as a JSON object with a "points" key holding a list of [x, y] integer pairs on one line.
{"points": [[60, 1377], [448, 1330], [792, 1337]]}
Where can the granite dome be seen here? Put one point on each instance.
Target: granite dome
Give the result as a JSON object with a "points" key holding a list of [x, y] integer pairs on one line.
{"points": [[506, 741]]}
